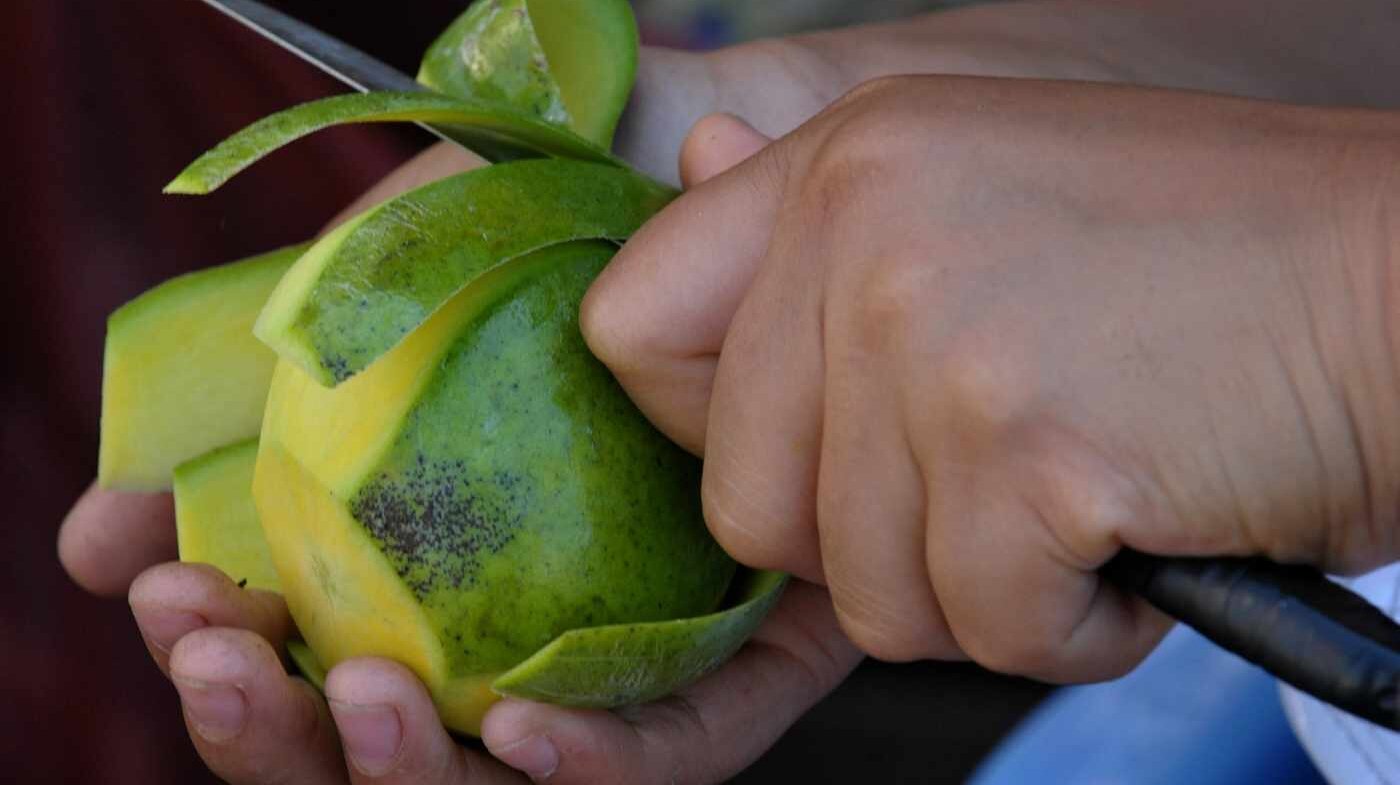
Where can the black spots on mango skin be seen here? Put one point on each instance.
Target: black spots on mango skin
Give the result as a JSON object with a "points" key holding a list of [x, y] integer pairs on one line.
{"points": [[437, 524], [337, 366]]}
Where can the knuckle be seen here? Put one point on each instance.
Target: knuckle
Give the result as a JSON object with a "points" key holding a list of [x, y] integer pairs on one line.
{"points": [[984, 386], [863, 144], [848, 168], [604, 328], [871, 93], [880, 120], [1085, 499], [756, 516], [730, 516], [888, 301], [879, 636], [887, 623]]}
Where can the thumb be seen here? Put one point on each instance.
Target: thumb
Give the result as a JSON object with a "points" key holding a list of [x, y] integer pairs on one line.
{"points": [[658, 314], [717, 143]]}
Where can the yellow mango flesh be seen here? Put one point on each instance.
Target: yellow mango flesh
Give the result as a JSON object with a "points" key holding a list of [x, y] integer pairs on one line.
{"points": [[215, 520], [358, 607], [182, 372]]}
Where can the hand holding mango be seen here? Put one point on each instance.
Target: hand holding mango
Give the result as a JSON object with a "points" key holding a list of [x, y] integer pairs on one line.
{"points": [[294, 714], [444, 475], [204, 630]]}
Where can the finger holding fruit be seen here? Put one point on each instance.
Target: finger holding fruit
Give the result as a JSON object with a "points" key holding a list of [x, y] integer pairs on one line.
{"points": [[388, 729], [702, 732], [251, 723]]}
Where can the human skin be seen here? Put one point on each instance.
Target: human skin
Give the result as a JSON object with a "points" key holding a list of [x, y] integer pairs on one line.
{"points": [[205, 633], [1092, 317]]}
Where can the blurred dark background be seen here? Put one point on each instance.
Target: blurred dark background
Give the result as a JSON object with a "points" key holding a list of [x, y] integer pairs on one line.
{"points": [[106, 101]]}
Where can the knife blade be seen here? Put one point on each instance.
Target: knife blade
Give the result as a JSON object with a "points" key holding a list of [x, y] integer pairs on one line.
{"points": [[331, 55], [1291, 621], [327, 53]]}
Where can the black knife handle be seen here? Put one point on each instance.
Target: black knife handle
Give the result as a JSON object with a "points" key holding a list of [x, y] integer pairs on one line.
{"points": [[1289, 620]]}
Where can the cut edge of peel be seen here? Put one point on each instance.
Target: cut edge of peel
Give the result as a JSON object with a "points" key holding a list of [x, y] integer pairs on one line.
{"points": [[276, 323], [753, 595]]}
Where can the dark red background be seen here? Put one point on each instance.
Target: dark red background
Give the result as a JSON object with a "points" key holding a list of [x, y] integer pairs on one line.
{"points": [[105, 102]]}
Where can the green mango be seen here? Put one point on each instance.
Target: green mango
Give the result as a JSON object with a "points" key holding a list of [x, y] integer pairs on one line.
{"points": [[182, 373], [566, 62], [596, 667], [476, 497], [483, 488], [362, 288], [215, 520]]}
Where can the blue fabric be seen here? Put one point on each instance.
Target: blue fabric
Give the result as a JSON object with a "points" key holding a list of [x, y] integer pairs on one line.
{"points": [[1191, 713]]}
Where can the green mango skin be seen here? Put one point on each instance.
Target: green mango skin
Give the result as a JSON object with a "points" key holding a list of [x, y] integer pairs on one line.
{"points": [[396, 264], [625, 664], [567, 62], [491, 53], [496, 132], [525, 495]]}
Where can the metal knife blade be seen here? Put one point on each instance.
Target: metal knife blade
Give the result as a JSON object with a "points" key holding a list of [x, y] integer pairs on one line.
{"points": [[331, 55]]}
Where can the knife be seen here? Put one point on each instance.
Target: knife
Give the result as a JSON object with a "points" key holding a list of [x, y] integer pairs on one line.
{"points": [[1290, 620], [332, 56]]}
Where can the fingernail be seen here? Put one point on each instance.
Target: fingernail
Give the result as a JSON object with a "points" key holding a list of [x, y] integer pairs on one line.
{"points": [[534, 755], [372, 735], [215, 710], [164, 628]]}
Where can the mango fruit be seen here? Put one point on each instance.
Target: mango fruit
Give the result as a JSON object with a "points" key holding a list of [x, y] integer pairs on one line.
{"points": [[443, 474], [481, 489]]}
